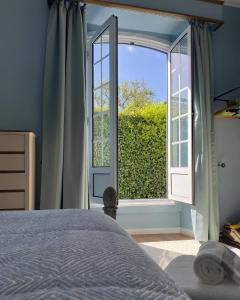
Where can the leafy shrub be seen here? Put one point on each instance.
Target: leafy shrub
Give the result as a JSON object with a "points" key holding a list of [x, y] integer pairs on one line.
{"points": [[142, 151]]}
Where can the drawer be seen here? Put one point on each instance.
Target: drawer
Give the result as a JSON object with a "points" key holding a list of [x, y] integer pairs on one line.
{"points": [[12, 162], [12, 181], [12, 142], [12, 200]]}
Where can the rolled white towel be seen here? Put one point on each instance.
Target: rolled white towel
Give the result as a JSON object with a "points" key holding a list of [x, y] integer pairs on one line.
{"points": [[214, 262]]}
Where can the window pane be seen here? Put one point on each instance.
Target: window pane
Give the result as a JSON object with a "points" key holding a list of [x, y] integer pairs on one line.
{"points": [[105, 43], [106, 125], [184, 77], [97, 127], [105, 97], [105, 70], [175, 106], [175, 156], [101, 142], [101, 139], [97, 75], [184, 155], [176, 57], [97, 50], [101, 127], [97, 115], [184, 50], [184, 128], [174, 82], [106, 111], [175, 130], [97, 99], [184, 102], [97, 154], [106, 153]]}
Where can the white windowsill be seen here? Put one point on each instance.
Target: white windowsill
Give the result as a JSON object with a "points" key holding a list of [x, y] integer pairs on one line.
{"points": [[145, 202], [139, 203]]}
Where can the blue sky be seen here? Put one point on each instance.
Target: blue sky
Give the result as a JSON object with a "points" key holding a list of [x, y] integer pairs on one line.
{"points": [[143, 64]]}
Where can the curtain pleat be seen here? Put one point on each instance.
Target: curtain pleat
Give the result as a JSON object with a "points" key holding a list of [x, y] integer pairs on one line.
{"points": [[64, 162], [74, 175], [206, 187]]}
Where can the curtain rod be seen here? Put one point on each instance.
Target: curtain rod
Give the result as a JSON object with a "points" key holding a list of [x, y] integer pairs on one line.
{"points": [[153, 11]]}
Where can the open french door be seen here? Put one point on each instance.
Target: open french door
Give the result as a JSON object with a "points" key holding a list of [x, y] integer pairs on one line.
{"points": [[103, 106], [180, 117]]}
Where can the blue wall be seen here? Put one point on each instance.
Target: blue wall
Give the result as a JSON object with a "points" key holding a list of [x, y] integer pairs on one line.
{"points": [[226, 42], [150, 216], [22, 46]]}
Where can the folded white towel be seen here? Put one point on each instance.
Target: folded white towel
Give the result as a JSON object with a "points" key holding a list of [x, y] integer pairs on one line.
{"points": [[214, 262]]}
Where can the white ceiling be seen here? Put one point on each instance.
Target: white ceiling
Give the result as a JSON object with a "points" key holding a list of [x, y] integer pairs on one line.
{"points": [[129, 20]]}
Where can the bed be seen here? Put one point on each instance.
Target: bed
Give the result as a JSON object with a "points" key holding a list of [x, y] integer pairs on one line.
{"points": [[75, 254]]}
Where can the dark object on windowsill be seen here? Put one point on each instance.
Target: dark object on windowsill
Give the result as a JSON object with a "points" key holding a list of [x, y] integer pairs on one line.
{"points": [[229, 242], [231, 235], [230, 111], [110, 202]]}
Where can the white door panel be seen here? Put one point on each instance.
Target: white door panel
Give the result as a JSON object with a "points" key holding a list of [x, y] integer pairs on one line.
{"points": [[180, 181], [228, 149], [102, 114]]}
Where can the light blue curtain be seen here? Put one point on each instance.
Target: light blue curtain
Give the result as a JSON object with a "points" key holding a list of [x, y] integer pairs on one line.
{"points": [[64, 161], [206, 188]]}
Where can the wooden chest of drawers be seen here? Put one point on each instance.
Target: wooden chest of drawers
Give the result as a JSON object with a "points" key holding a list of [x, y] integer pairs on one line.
{"points": [[17, 170]]}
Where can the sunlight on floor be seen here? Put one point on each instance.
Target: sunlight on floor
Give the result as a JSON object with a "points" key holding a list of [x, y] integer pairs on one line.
{"points": [[163, 252], [164, 248], [186, 247]]}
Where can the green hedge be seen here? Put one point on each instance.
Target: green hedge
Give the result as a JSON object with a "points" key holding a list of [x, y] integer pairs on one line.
{"points": [[142, 152]]}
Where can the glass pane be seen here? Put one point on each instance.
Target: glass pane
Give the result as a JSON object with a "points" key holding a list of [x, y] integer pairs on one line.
{"points": [[101, 140], [106, 125], [184, 128], [101, 127], [175, 106], [184, 155], [105, 70], [106, 153], [174, 82], [175, 57], [184, 77], [105, 97], [105, 43], [97, 127], [184, 102], [97, 75], [97, 99], [97, 50], [175, 130], [184, 50], [97, 154], [175, 156]]}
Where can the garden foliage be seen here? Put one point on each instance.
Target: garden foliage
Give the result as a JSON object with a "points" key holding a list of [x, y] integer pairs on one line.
{"points": [[142, 151]]}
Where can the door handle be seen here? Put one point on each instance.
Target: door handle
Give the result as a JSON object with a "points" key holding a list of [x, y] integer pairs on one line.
{"points": [[221, 164]]}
